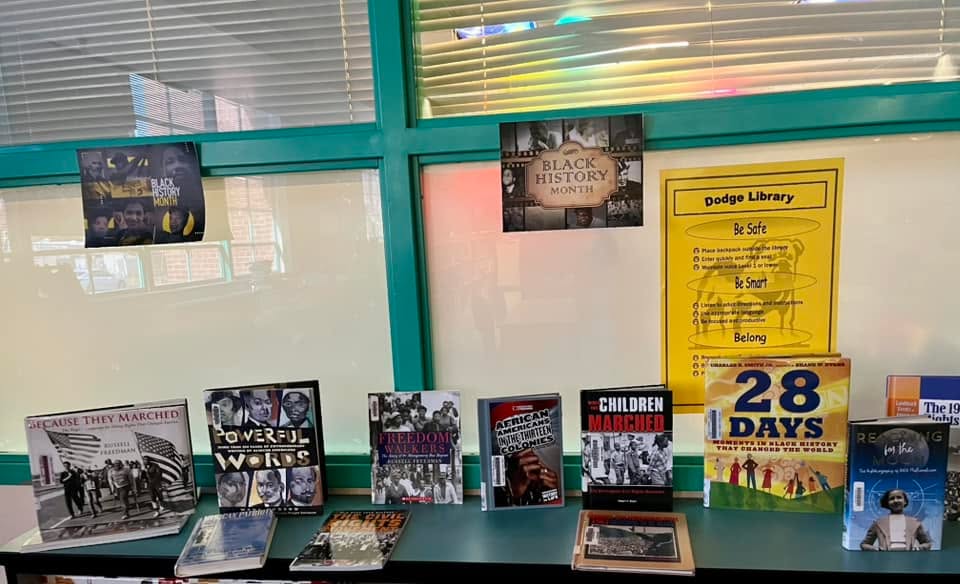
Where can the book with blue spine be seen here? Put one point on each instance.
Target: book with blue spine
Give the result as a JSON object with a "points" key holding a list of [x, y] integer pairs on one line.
{"points": [[227, 542], [895, 484], [937, 396]]}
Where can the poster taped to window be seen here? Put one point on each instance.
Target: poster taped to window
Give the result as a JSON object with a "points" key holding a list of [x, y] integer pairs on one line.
{"points": [[141, 195], [572, 174]]}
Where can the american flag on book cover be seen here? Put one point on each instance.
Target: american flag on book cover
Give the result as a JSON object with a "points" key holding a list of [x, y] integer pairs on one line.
{"points": [[77, 449], [176, 478]]}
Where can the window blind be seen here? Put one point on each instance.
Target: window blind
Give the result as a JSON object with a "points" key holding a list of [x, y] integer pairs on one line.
{"points": [[79, 69], [523, 55]]}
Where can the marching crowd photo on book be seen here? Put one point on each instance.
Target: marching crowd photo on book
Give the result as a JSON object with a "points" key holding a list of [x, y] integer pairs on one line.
{"points": [[627, 448], [415, 447], [111, 474]]}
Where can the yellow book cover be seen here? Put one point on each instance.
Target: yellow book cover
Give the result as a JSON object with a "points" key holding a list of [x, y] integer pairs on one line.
{"points": [[776, 433]]}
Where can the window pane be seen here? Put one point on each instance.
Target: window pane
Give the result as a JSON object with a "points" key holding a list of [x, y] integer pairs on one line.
{"points": [[71, 71], [93, 328], [519, 313], [527, 55]]}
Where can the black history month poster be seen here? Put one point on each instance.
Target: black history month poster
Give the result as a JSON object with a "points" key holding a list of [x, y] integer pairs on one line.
{"points": [[141, 195], [572, 173]]}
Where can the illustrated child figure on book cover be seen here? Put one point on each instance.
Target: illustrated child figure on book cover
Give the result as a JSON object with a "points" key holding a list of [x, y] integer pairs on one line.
{"points": [[775, 433]]}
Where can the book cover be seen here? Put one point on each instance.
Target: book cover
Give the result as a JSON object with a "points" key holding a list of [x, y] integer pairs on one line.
{"points": [[936, 396], [353, 540], [647, 542], [775, 433], [415, 447], [521, 452], [895, 484], [227, 542], [267, 445], [111, 474], [627, 448]]}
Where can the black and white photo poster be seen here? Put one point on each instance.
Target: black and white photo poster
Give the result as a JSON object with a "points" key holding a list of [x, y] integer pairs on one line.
{"points": [[572, 173], [141, 195]]}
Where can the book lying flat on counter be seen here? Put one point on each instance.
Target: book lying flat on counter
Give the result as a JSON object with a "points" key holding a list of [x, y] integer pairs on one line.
{"points": [[633, 541], [227, 543], [110, 474], [353, 540]]}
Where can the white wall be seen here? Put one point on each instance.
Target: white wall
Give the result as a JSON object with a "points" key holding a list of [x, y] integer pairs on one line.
{"points": [[319, 312], [557, 311]]}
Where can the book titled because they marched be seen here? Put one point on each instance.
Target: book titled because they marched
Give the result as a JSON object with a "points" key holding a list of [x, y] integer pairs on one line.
{"points": [[110, 474]]}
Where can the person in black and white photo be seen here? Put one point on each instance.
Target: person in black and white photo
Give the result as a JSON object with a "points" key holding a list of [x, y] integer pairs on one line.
{"points": [[232, 489], [72, 482], [296, 409], [269, 488], [258, 404], [302, 485]]}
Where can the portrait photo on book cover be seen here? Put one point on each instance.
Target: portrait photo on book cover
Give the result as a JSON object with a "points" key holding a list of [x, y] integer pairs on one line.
{"points": [[260, 408], [628, 458], [897, 529], [653, 541]]}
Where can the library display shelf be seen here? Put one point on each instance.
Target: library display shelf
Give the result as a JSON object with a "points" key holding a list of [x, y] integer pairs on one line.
{"points": [[446, 540]]}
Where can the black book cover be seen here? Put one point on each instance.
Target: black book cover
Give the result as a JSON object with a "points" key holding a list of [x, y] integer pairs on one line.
{"points": [[267, 445], [627, 448]]}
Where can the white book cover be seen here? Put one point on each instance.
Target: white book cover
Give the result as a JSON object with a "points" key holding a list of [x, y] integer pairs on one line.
{"points": [[111, 474]]}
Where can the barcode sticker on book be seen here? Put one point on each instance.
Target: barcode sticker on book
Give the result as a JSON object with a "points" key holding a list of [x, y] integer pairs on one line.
{"points": [[483, 496], [217, 416], [374, 408], [714, 425], [858, 495], [498, 470], [592, 536]]}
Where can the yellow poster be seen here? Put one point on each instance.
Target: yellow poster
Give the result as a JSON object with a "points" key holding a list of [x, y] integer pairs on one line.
{"points": [[750, 266]]}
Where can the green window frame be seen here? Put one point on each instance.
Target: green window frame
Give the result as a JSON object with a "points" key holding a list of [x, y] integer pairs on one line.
{"points": [[399, 144]]}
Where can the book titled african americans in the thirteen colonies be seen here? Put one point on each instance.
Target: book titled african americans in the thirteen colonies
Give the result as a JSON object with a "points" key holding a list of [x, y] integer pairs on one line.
{"points": [[110, 474]]}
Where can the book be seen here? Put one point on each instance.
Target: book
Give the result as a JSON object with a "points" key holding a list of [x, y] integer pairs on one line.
{"points": [[775, 433], [936, 396], [894, 489], [521, 452], [648, 542], [267, 445], [627, 448], [353, 540], [228, 542], [415, 447], [110, 474]]}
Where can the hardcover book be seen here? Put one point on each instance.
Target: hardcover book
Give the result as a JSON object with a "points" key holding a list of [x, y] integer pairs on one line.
{"points": [[267, 445], [633, 541], [895, 483], [110, 474], [227, 542], [415, 447], [776, 436], [627, 448], [521, 452], [938, 397], [353, 540]]}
